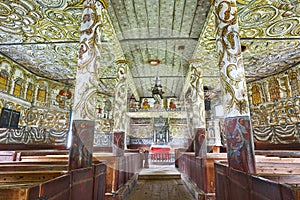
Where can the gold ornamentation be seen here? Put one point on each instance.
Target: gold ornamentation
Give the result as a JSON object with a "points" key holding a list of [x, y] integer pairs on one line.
{"points": [[104, 3], [230, 61]]}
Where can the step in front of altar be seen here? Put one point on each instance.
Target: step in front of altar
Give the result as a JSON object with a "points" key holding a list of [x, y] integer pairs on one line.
{"points": [[159, 173]]}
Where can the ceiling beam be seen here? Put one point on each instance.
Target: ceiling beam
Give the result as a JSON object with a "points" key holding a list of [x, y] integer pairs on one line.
{"points": [[264, 39], [159, 76], [36, 43], [151, 39]]}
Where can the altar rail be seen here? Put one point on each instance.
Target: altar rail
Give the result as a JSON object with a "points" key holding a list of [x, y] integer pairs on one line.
{"points": [[162, 158]]}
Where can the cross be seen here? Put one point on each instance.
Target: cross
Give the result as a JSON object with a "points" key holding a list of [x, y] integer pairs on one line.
{"points": [[99, 110]]}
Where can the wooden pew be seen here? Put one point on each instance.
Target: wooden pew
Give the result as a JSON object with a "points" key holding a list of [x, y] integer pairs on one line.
{"points": [[56, 189], [19, 192], [278, 178], [99, 172], [200, 171], [44, 174], [85, 183], [119, 170], [9, 156], [17, 185]]}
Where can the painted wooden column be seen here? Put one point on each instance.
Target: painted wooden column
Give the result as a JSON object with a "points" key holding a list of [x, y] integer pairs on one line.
{"points": [[120, 108], [83, 124], [89, 60], [12, 85], [238, 129], [198, 108]]}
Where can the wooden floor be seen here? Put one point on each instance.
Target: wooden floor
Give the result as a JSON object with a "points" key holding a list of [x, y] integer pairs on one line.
{"points": [[160, 190], [153, 187]]}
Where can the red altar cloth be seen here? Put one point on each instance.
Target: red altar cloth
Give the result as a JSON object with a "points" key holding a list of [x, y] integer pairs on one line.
{"points": [[160, 152], [160, 149]]}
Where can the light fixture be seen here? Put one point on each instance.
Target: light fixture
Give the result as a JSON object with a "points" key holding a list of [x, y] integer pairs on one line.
{"points": [[153, 62], [157, 92]]}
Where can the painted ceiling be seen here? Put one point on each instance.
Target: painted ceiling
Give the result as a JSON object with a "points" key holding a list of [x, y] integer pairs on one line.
{"points": [[42, 36]]}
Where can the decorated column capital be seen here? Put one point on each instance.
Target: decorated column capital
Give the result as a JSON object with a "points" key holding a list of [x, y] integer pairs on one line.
{"points": [[195, 62], [129, 78], [122, 62], [103, 2], [122, 68]]}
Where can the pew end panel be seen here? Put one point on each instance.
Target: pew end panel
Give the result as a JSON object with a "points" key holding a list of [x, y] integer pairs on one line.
{"points": [[82, 183], [99, 172], [235, 184], [56, 189], [19, 191]]}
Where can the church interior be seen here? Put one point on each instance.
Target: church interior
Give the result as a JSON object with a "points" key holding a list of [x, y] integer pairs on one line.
{"points": [[95, 92]]}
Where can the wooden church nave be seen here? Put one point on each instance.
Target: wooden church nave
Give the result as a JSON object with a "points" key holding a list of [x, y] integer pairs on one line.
{"points": [[149, 99]]}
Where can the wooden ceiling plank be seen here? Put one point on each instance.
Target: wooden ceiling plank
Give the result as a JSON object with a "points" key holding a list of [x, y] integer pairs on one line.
{"points": [[162, 47], [200, 15], [178, 15], [132, 18], [188, 17], [135, 70], [153, 18], [130, 56], [136, 59], [141, 18], [117, 19], [166, 18], [144, 52]]}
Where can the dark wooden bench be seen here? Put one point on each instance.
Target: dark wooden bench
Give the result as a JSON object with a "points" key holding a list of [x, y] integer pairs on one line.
{"points": [[9, 156], [276, 179], [200, 171], [84, 183], [44, 174], [119, 170]]}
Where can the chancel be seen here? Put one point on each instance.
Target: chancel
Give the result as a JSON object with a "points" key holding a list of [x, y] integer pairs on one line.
{"points": [[149, 99]]}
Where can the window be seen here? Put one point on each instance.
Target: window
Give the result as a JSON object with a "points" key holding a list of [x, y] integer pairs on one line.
{"points": [[41, 96], [18, 88], [256, 98], [274, 90], [3, 80]]}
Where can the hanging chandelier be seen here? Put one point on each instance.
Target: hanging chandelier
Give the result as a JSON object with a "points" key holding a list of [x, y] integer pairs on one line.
{"points": [[157, 92]]}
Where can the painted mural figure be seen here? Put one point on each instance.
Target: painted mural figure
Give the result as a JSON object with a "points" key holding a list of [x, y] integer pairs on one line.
{"points": [[107, 108], [274, 90], [145, 104], [172, 105], [238, 141], [256, 97]]}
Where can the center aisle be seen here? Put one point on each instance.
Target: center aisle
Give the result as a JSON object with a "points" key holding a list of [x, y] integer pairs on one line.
{"points": [[160, 183]]}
